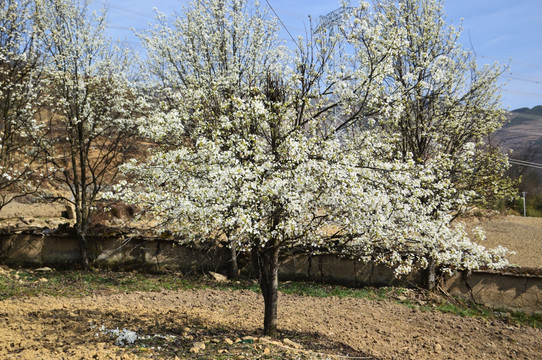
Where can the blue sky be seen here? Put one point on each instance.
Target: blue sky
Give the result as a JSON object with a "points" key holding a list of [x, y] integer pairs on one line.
{"points": [[506, 31]]}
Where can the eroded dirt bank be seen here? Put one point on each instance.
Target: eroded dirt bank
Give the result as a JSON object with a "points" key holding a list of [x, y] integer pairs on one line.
{"points": [[72, 328]]}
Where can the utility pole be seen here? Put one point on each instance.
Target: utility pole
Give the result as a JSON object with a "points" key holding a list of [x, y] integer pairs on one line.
{"points": [[524, 206]]}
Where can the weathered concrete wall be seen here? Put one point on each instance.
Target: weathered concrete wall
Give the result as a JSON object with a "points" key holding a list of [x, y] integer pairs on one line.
{"points": [[114, 252], [333, 269], [494, 289], [517, 292], [22, 248], [499, 290]]}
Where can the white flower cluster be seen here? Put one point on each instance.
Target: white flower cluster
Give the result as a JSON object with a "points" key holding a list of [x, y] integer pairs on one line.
{"points": [[258, 153], [21, 96]]}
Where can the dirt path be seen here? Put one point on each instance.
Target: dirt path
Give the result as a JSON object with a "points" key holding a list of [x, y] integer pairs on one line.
{"points": [[73, 328]]}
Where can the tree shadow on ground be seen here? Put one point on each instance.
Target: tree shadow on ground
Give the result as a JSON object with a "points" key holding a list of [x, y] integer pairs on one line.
{"points": [[172, 333]]}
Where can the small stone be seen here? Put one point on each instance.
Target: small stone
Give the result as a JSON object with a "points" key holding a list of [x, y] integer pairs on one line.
{"points": [[266, 351], [438, 347], [218, 277], [266, 340], [186, 329], [401, 298], [44, 280], [44, 269], [200, 345], [254, 339], [194, 350], [228, 341], [292, 344], [189, 337], [222, 351], [215, 340]]}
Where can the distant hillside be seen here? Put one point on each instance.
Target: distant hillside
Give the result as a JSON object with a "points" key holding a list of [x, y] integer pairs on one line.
{"points": [[524, 116], [523, 135], [523, 129]]}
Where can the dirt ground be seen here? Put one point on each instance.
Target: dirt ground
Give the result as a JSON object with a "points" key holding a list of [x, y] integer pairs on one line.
{"points": [[80, 328], [520, 234], [36, 210]]}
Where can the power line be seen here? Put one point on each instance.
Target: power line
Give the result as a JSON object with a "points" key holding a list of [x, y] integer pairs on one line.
{"points": [[116, 27], [127, 11], [526, 116], [525, 163], [532, 80], [524, 93], [511, 60], [278, 17]]}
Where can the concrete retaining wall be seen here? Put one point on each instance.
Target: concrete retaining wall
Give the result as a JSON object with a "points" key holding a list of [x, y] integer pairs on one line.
{"points": [[62, 250], [499, 290], [494, 289], [336, 270], [517, 292]]}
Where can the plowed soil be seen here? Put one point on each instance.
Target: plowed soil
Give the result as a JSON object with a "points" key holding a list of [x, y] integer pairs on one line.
{"points": [[523, 235], [73, 328]]}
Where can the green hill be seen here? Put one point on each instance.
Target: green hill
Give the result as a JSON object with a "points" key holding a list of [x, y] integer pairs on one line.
{"points": [[524, 116]]}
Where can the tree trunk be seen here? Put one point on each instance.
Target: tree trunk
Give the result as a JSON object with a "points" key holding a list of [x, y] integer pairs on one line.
{"points": [[81, 229], [234, 267], [267, 266], [83, 249], [430, 273]]}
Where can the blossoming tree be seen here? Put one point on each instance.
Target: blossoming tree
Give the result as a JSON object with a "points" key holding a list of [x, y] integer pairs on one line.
{"points": [[92, 107], [21, 99], [440, 99], [444, 105], [267, 151]]}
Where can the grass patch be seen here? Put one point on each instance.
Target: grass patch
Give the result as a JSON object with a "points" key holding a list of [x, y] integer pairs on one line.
{"points": [[322, 290], [77, 283], [469, 309], [464, 308]]}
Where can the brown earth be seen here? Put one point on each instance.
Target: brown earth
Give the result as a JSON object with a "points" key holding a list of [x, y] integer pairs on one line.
{"points": [[523, 235], [36, 210], [71, 328]]}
